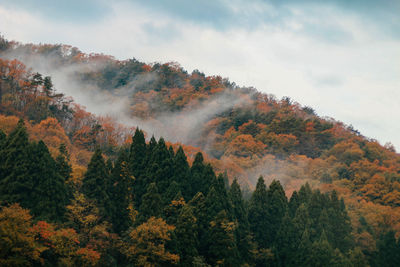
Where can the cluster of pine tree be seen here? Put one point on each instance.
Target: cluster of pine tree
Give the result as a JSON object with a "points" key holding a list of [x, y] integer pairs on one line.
{"points": [[166, 212]]}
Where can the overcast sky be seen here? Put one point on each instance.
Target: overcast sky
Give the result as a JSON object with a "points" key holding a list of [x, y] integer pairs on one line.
{"points": [[341, 57]]}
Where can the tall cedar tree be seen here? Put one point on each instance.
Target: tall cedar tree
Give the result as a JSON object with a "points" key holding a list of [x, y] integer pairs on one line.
{"points": [[258, 214], [151, 203], [242, 231], [15, 183], [121, 193], [187, 235], [95, 183], [182, 173], [50, 193], [277, 207], [137, 163]]}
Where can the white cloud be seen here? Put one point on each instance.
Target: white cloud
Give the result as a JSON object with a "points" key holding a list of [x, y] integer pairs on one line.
{"points": [[356, 81]]}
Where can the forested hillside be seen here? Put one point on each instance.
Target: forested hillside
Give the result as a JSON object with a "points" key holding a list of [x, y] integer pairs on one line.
{"points": [[95, 190]]}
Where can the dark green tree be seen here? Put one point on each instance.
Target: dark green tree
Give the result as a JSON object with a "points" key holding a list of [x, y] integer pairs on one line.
{"points": [[187, 236], [96, 181], [50, 192], [121, 193], [242, 231], [258, 214], [181, 173], [222, 250], [63, 165], [151, 203], [16, 184], [277, 206]]}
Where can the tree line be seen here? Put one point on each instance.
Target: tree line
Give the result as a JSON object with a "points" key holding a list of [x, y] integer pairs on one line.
{"points": [[149, 207]]}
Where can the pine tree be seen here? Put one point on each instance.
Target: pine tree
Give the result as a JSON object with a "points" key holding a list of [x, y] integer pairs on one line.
{"points": [[322, 252], [276, 207], [162, 173], [16, 184], [95, 183], [388, 253], [217, 199], [182, 173], [121, 193], [171, 192], [340, 224], [198, 203], [63, 165], [50, 194], [187, 236], [294, 203], [151, 203], [258, 214], [222, 250], [242, 231], [137, 162]]}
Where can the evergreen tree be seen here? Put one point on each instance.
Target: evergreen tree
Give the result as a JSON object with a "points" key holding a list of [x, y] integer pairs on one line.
{"points": [[222, 250], [340, 224], [198, 203], [171, 192], [151, 203], [95, 183], [121, 193], [181, 173], [50, 193], [14, 164], [217, 199], [388, 253], [242, 231], [322, 252], [187, 236], [294, 203], [63, 165], [137, 162], [162, 171], [276, 207], [137, 153], [258, 214], [16, 184]]}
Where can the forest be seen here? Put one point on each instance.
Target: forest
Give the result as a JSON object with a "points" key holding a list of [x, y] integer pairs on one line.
{"points": [[256, 182]]}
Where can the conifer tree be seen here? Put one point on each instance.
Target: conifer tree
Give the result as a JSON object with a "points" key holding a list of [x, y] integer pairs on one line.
{"points": [[242, 231], [151, 203], [171, 192], [217, 199], [222, 250], [182, 173], [294, 203], [137, 153], [121, 193], [388, 253], [173, 209], [196, 172], [50, 193], [63, 164], [96, 181], [14, 164], [258, 214], [198, 203], [15, 160], [162, 161], [187, 235], [276, 207], [322, 252]]}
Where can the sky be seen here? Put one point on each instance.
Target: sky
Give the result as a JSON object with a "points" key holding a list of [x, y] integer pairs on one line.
{"points": [[340, 57]]}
